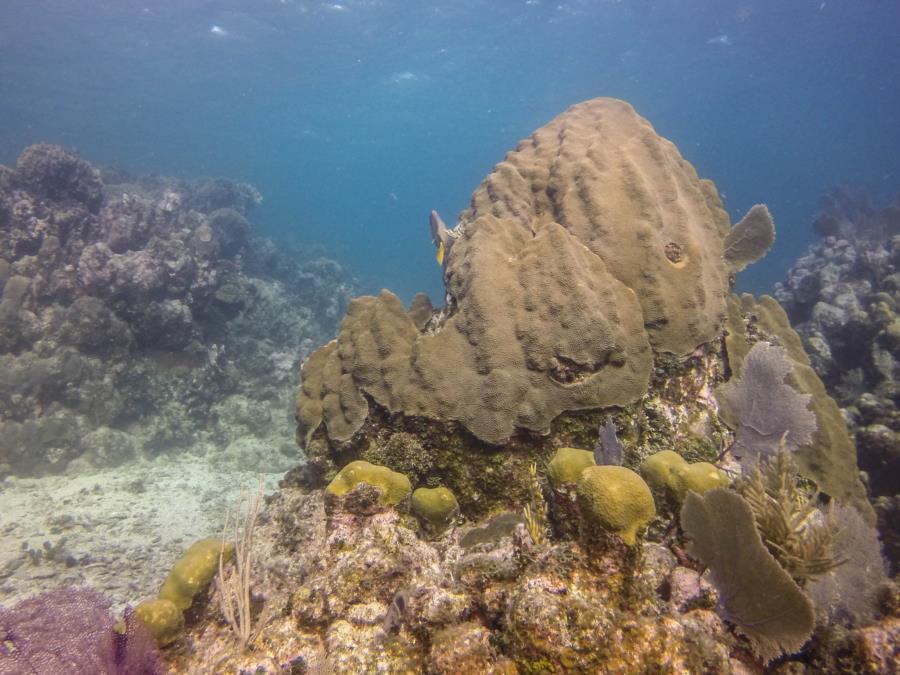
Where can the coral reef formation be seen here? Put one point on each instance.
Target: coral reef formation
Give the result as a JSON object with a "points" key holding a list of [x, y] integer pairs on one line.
{"points": [[616, 499], [393, 487], [435, 507], [588, 306], [567, 464], [669, 474], [591, 246], [190, 575], [842, 297], [140, 316]]}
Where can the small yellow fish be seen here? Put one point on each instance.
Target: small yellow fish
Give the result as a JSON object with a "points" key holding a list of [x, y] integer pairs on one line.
{"points": [[440, 254]]}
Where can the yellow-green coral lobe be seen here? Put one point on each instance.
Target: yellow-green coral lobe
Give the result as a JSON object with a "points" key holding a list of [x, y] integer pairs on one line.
{"points": [[567, 465], [193, 571], [436, 506], [163, 619], [668, 472], [660, 469], [616, 499], [394, 487], [700, 477]]}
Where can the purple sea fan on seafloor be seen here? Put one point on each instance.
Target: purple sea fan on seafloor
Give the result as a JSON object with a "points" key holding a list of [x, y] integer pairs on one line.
{"points": [[763, 408], [71, 630]]}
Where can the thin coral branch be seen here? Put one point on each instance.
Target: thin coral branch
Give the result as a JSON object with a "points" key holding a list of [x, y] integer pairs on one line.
{"points": [[234, 581], [536, 511]]}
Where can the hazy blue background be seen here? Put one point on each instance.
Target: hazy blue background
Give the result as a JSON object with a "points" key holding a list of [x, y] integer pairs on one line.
{"points": [[354, 119]]}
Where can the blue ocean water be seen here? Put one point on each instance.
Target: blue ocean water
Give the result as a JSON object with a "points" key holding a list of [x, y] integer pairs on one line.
{"points": [[356, 118]]}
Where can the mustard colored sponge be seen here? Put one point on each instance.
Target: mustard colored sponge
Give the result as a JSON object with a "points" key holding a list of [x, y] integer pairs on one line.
{"points": [[616, 499], [567, 465], [394, 487], [163, 619], [668, 472], [193, 571], [436, 507]]}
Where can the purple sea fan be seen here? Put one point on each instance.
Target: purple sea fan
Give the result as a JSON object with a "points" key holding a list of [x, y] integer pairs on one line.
{"points": [[70, 630], [763, 408]]}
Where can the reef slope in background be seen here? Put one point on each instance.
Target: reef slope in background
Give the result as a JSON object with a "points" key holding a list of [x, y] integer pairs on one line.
{"points": [[140, 316], [843, 297]]}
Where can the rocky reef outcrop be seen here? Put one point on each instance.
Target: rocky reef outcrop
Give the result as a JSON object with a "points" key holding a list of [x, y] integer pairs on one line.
{"points": [[590, 404], [843, 297], [557, 470], [592, 271], [141, 315]]}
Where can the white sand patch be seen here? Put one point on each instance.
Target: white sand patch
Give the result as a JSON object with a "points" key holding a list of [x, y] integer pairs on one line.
{"points": [[118, 530]]}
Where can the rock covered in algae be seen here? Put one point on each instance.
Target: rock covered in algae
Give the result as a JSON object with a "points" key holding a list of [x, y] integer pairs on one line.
{"points": [[365, 594], [351, 593], [589, 246], [616, 499]]}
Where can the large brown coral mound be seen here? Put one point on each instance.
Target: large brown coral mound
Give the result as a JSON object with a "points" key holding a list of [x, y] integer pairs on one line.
{"points": [[602, 172], [589, 246]]}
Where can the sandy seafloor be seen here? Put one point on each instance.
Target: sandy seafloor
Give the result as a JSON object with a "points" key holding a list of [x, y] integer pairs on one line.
{"points": [[119, 529]]}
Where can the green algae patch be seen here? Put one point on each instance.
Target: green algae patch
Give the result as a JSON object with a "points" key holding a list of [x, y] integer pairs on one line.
{"points": [[567, 465], [616, 499], [393, 487]]}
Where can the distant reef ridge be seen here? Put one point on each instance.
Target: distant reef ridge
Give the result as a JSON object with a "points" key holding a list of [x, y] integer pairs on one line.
{"points": [[843, 297], [140, 315]]}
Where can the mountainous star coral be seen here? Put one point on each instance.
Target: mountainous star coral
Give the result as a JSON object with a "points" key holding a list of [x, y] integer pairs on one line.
{"points": [[590, 246]]}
